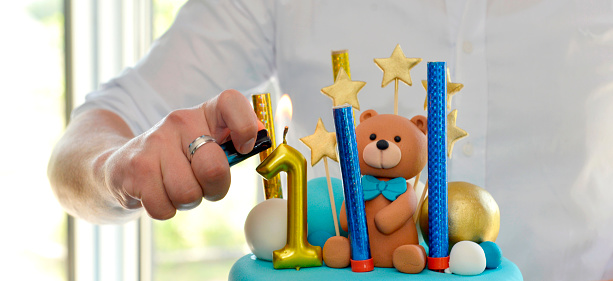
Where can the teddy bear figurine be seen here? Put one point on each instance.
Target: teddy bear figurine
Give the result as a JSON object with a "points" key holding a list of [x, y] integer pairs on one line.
{"points": [[392, 149]]}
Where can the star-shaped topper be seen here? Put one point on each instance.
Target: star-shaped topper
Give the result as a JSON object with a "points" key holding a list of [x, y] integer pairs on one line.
{"points": [[397, 66], [452, 89], [322, 143], [454, 133], [344, 90]]}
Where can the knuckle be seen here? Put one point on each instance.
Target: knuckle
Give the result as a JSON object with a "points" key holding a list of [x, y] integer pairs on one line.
{"points": [[228, 98], [246, 128], [141, 164], [229, 94], [178, 117], [156, 139], [214, 173]]}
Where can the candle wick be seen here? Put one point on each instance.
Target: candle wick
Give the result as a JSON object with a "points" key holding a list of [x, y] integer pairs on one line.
{"points": [[285, 134]]}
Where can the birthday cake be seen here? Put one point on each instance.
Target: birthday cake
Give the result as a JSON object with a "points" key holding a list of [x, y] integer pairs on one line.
{"points": [[377, 222], [321, 227]]}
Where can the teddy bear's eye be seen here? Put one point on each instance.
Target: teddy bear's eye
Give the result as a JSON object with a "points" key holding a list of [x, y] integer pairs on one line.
{"points": [[397, 138], [373, 136]]}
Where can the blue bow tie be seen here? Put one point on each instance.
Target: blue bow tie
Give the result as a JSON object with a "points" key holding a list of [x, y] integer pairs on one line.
{"points": [[390, 189]]}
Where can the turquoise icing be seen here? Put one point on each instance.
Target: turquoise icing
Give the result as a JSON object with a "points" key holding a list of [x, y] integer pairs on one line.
{"points": [[318, 238], [319, 212], [249, 268]]}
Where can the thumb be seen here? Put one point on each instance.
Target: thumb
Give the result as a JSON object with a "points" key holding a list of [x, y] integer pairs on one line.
{"points": [[231, 114]]}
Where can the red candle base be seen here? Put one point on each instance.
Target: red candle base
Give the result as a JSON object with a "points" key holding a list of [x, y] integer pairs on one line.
{"points": [[362, 266], [438, 264]]}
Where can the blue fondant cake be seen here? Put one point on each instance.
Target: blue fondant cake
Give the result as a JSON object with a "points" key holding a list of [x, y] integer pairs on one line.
{"points": [[321, 227], [249, 268]]}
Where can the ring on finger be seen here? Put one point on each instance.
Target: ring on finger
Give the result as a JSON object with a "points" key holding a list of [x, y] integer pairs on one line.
{"points": [[197, 143]]}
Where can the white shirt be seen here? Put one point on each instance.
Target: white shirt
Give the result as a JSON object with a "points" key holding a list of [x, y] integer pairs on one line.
{"points": [[537, 98]]}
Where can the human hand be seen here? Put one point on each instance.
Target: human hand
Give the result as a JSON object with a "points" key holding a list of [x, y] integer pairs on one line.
{"points": [[153, 171]]}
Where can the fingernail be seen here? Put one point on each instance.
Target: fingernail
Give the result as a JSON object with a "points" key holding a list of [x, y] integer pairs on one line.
{"points": [[248, 146], [189, 206]]}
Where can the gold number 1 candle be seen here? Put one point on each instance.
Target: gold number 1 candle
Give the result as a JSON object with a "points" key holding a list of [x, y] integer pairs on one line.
{"points": [[263, 110], [297, 252]]}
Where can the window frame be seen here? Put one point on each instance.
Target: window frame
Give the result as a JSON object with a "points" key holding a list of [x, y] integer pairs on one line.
{"points": [[123, 29]]}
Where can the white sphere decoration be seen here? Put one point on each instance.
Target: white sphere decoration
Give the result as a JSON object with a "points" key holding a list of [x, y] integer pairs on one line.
{"points": [[466, 258], [266, 228]]}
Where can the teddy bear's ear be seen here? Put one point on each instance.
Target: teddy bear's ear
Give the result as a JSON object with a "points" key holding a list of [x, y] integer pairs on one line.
{"points": [[367, 114], [421, 122]]}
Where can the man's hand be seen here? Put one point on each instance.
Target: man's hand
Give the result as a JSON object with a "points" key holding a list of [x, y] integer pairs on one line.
{"points": [[151, 170]]}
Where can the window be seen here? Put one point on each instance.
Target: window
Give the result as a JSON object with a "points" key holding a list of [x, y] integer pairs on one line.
{"points": [[33, 224]]}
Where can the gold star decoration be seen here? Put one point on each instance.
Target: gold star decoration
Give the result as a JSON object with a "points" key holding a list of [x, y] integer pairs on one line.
{"points": [[454, 133], [322, 143], [344, 90], [452, 89], [397, 66]]}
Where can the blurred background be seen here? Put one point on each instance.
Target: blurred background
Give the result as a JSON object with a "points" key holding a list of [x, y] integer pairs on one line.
{"points": [[53, 52]]}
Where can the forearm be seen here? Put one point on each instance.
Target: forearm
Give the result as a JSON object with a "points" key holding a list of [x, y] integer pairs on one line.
{"points": [[76, 167]]}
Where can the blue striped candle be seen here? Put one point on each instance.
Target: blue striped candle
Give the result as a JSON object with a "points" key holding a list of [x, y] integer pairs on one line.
{"points": [[361, 260], [437, 167]]}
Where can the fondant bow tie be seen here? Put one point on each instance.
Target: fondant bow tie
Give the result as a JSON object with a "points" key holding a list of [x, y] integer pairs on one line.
{"points": [[390, 189]]}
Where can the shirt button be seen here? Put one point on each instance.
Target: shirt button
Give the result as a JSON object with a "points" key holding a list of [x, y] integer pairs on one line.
{"points": [[467, 149], [467, 47]]}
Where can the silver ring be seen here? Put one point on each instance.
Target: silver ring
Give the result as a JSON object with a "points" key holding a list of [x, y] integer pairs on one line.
{"points": [[197, 143]]}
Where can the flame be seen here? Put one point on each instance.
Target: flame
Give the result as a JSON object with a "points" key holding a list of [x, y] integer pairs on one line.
{"points": [[284, 111]]}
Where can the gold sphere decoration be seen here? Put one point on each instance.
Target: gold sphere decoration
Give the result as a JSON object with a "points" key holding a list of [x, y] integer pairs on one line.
{"points": [[473, 214]]}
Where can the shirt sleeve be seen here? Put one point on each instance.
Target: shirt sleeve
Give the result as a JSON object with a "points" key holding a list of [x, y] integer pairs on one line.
{"points": [[211, 46]]}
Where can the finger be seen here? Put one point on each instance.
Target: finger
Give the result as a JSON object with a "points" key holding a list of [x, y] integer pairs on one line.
{"points": [[121, 185], [180, 184], [260, 125], [209, 164], [211, 169], [124, 198], [148, 179], [231, 111], [156, 201]]}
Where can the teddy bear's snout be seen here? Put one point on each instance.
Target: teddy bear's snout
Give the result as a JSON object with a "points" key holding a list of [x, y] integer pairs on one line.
{"points": [[382, 144], [382, 154]]}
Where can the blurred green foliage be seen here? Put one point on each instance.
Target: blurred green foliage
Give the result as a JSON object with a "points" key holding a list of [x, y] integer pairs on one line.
{"points": [[47, 11]]}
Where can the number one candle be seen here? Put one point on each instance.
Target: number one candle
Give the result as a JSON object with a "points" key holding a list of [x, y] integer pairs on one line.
{"points": [[361, 260], [297, 252], [438, 233]]}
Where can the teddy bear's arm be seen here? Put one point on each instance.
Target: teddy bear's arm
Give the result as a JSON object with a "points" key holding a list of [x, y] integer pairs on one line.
{"points": [[396, 214], [343, 218]]}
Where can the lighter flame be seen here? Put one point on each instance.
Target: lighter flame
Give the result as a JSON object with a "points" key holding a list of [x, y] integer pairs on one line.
{"points": [[284, 110]]}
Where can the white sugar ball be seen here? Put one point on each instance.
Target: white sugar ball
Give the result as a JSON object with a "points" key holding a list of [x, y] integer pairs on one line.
{"points": [[467, 258], [266, 228]]}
